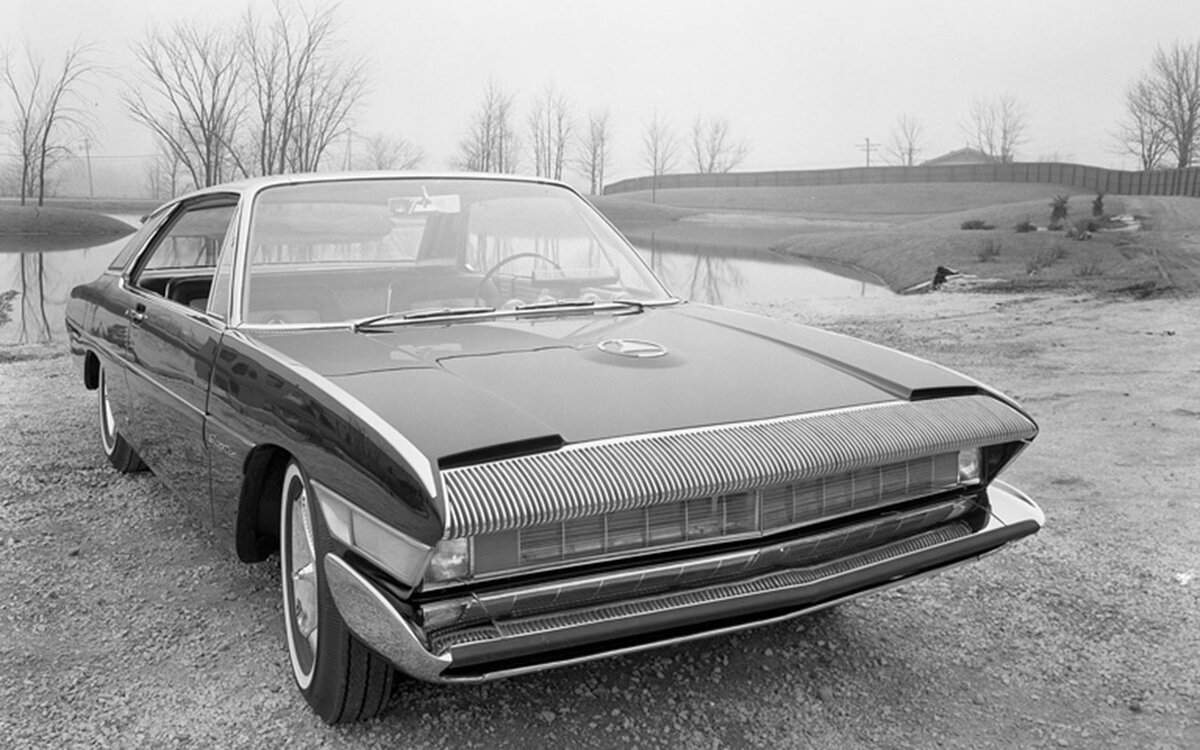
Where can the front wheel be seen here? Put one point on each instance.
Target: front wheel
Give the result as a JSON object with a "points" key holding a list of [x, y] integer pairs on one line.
{"points": [[341, 679], [119, 453]]}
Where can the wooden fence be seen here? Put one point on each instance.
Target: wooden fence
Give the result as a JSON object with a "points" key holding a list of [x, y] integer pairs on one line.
{"points": [[1093, 179]]}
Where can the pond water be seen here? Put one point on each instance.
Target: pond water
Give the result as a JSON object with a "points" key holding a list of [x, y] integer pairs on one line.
{"points": [[718, 277], [701, 274], [43, 282]]}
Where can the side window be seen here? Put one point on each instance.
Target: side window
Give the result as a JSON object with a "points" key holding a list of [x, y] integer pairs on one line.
{"points": [[182, 261], [138, 239]]}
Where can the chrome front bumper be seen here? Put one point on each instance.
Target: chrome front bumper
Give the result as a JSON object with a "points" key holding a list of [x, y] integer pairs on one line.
{"points": [[537, 642]]}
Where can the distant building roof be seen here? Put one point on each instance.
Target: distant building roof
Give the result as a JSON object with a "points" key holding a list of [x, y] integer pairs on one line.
{"points": [[966, 155]]}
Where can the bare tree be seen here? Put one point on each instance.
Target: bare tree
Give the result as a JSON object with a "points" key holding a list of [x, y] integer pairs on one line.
{"points": [[161, 174], [189, 94], [389, 152], [1174, 80], [302, 91], [551, 126], [906, 140], [1142, 132], [714, 150], [48, 115], [997, 126], [491, 143], [594, 151], [27, 124], [660, 147]]}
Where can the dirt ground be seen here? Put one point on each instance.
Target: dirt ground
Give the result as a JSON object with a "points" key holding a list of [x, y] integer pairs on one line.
{"points": [[122, 625]]}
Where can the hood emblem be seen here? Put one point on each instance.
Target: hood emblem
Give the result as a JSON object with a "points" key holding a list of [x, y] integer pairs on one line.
{"points": [[632, 348]]}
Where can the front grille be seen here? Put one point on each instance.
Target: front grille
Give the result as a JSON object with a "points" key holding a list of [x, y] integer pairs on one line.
{"points": [[604, 478], [716, 517]]}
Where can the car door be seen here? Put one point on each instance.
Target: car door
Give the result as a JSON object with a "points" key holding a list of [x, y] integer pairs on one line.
{"points": [[107, 324], [173, 340]]}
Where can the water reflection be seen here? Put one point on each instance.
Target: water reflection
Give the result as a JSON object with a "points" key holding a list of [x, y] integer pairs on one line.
{"points": [[42, 282], [717, 276]]}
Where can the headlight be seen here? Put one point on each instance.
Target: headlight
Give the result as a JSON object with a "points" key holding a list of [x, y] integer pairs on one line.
{"points": [[451, 561], [968, 466], [384, 545]]}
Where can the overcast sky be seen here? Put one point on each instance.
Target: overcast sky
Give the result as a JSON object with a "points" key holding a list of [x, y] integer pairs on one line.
{"points": [[803, 82]]}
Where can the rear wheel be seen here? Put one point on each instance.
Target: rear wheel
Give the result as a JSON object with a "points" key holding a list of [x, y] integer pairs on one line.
{"points": [[341, 679], [118, 452]]}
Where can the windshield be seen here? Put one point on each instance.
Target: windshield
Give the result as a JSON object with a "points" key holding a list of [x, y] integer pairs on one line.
{"points": [[349, 250]]}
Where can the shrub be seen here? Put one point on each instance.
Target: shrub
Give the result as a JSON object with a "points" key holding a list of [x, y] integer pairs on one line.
{"points": [[1026, 226], [1058, 211], [990, 248], [1098, 204], [1045, 258], [1088, 268], [6, 304], [976, 224]]}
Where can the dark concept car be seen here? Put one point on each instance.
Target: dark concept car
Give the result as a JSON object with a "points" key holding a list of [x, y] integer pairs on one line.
{"points": [[484, 440]]}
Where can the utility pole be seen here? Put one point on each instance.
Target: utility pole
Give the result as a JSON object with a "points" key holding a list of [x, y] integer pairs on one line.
{"points": [[87, 151], [868, 147]]}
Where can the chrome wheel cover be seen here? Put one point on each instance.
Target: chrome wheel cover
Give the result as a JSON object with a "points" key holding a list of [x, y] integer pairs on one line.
{"points": [[298, 561]]}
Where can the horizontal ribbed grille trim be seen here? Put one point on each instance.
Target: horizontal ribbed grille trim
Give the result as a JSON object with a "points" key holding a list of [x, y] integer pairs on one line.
{"points": [[782, 580], [643, 470]]}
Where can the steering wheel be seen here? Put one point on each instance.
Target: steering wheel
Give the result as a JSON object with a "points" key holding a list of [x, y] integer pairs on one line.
{"points": [[487, 276]]}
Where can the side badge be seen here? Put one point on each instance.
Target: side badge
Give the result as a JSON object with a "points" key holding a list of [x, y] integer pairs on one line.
{"points": [[632, 348]]}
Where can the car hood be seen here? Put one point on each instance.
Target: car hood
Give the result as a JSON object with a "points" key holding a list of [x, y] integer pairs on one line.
{"points": [[468, 390]]}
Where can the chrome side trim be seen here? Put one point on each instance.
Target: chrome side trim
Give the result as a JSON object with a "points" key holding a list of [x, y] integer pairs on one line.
{"points": [[378, 624], [632, 472]]}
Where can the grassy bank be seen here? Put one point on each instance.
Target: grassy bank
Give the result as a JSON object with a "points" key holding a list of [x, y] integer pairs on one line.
{"points": [[37, 229], [902, 233], [134, 206]]}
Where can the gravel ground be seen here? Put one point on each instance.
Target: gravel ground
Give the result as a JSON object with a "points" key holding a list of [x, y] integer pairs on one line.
{"points": [[123, 625]]}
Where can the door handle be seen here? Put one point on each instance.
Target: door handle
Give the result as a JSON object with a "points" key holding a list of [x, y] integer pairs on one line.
{"points": [[136, 314]]}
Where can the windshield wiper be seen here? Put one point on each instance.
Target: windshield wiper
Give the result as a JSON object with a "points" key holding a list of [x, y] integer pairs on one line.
{"points": [[435, 313], [576, 303], [400, 318], [553, 303]]}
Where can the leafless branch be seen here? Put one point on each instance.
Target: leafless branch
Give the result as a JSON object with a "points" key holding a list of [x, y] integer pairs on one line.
{"points": [[189, 96], [389, 152], [490, 144], [302, 91], [997, 126], [906, 140], [713, 148], [551, 127], [48, 113], [1174, 84], [1142, 133], [594, 150]]}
